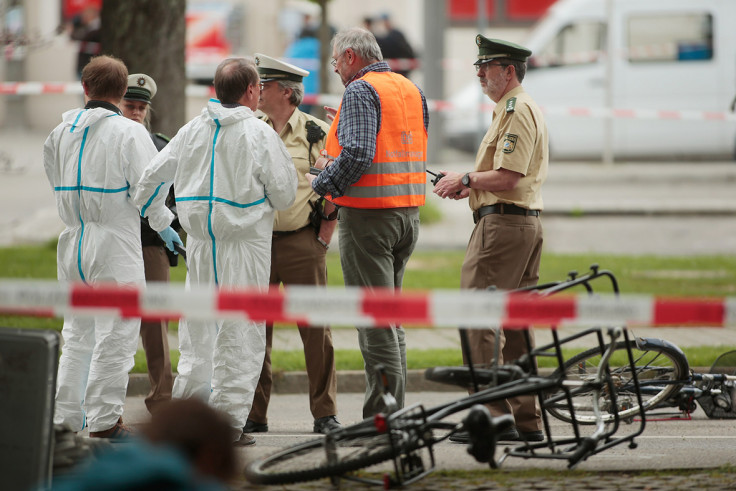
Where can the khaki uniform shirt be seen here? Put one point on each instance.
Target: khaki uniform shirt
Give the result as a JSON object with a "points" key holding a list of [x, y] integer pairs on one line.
{"points": [[517, 140], [294, 136]]}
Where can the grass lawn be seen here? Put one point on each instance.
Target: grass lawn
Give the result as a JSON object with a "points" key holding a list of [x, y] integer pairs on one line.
{"points": [[712, 276]]}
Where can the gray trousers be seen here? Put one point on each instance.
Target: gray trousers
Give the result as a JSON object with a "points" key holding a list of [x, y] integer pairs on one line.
{"points": [[375, 246]]}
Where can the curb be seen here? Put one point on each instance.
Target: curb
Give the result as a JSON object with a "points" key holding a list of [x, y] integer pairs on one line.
{"points": [[726, 210], [348, 382]]}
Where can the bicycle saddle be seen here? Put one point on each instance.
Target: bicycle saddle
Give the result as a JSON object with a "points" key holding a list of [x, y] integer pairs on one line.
{"points": [[462, 377]]}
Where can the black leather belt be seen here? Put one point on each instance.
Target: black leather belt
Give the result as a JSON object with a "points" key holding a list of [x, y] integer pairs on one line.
{"points": [[503, 209], [289, 232]]}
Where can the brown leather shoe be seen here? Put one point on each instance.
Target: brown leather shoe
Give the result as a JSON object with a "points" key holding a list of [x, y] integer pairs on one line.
{"points": [[117, 432]]}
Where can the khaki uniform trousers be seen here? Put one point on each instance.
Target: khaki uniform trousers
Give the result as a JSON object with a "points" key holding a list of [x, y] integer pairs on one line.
{"points": [[505, 251], [154, 334], [299, 259]]}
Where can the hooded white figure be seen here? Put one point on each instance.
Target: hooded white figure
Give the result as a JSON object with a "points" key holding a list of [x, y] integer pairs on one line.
{"points": [[93, 161], [230, 171]]}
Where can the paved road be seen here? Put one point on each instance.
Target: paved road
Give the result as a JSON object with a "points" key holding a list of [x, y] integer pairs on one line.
{"points": [[628, 208], [665, 445]]}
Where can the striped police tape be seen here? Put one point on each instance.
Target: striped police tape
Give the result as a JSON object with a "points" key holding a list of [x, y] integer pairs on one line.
{"points": [[361, 307], [40, 88]]}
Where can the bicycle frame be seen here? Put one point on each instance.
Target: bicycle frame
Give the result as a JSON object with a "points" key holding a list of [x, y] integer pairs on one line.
{"points": [[411, 428], [411, 431]]}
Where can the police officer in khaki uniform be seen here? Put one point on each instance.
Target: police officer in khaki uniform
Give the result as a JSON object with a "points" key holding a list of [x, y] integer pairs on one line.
{"points": [[136, 105], [504, 192], [301, 237]]}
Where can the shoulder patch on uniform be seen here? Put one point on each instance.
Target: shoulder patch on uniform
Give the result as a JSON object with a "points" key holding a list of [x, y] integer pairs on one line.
{"points": [[509, 142], [511, 105]]}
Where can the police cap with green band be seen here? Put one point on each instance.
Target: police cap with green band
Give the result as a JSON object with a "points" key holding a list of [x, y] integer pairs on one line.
{"points": [[489, 49], [141, 87], [272, 69]]}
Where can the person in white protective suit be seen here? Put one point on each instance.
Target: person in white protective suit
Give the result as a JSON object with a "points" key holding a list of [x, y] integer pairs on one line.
{"points": [[230, 171], [93, 161]]}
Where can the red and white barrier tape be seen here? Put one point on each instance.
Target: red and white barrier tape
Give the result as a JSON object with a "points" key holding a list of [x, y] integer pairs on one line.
{"points": [[361, 307], [41, 88]]}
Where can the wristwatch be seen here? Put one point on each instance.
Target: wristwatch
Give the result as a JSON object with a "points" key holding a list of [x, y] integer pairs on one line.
{"points": [[466, 180], [332, 216]]}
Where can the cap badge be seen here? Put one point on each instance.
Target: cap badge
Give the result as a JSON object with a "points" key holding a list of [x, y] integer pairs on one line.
{"points": [[478, 40], [141, 81], [258, 60]]}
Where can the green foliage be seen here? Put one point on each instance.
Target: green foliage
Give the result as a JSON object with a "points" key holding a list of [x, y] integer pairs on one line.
{"points": [[142, 367], [417, 359], [692, 276], [651, 275]]}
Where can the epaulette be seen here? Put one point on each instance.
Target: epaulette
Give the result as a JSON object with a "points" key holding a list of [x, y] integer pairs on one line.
{"points": [[163, 137], [511, 105]]}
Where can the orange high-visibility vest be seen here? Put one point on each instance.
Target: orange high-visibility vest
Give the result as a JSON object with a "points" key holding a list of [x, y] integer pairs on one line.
{"points": [[396, 177]]}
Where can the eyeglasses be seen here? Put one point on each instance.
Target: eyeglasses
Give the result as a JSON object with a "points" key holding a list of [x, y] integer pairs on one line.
{"points": [[334, 60], [483, 65]]}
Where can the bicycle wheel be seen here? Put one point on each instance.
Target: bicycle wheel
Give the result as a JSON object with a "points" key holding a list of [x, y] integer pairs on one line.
{"points": [[661, 369], [346, 450]]}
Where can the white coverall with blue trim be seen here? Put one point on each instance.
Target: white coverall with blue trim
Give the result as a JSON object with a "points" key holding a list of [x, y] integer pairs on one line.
{"points": [[93, 161], [230, 171]]}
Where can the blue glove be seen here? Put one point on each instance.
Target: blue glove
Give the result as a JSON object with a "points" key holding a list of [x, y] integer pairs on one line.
{"points": [[170, 236]]}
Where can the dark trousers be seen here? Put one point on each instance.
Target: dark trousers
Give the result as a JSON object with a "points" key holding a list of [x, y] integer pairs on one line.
{"points": [[299, 259], [154, 335], [505, 251]]}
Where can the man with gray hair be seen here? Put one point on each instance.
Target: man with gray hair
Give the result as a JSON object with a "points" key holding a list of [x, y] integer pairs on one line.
{"points": [[375, 173], [301, 237], [230, 171]]}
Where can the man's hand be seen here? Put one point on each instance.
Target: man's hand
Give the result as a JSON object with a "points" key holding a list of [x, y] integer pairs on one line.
{"points": [[331, 112], [451, 186], [170, 237], [321, 163], [324, 160]]}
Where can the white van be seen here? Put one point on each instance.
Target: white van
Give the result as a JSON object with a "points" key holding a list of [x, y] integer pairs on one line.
{"points": [[672, 79]]}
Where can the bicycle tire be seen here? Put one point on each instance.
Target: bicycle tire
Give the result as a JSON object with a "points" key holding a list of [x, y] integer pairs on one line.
{"points": [[658, 367], [353, 448]]}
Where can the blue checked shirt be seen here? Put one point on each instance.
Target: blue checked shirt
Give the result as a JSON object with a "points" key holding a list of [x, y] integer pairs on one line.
{"points": [[357, 129]]}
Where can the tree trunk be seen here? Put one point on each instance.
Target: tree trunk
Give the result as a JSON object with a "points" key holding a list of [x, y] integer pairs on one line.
{"points": [[325, 50], [149, 37]]}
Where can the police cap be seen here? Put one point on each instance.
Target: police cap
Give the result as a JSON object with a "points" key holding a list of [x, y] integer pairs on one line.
{"points": [[141, 87], [272, 69], [489, 49]]}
